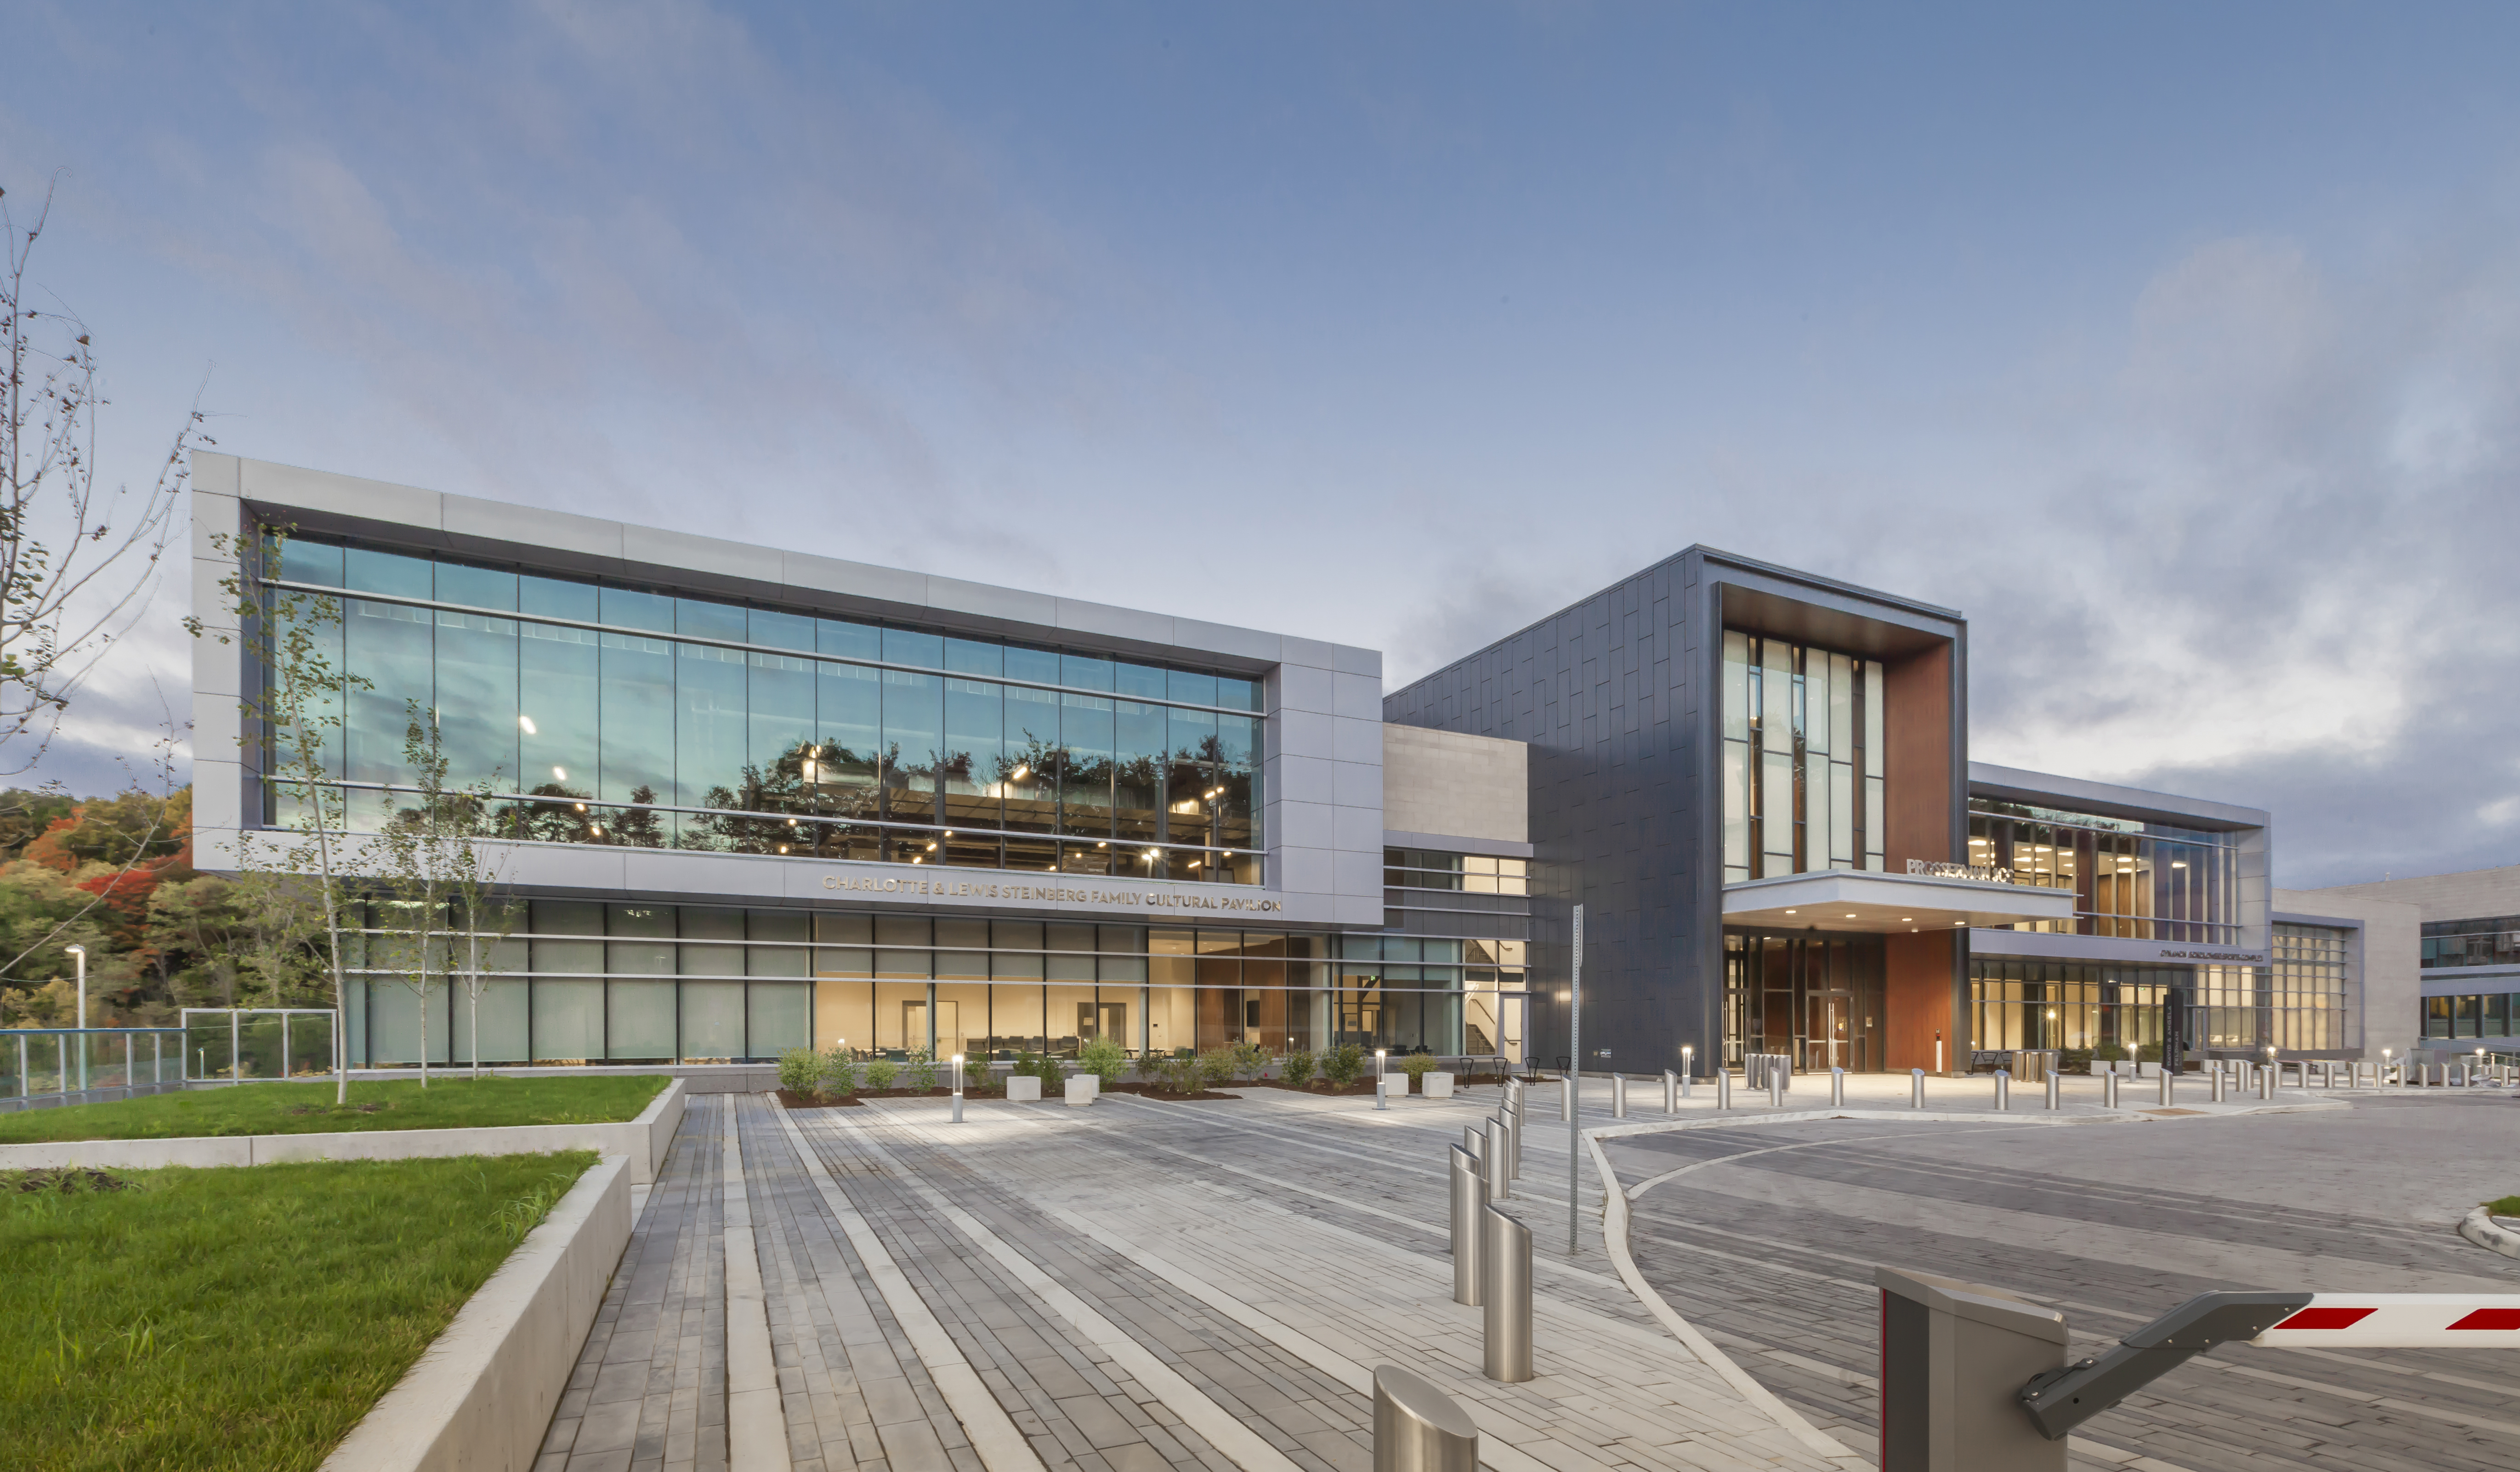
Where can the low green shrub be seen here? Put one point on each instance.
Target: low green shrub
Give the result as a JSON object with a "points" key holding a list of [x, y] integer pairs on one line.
{"points": [[1185, 1075], [798, 1070], [1296, 1068], [1249, 1058], [919, 1073], [979, 1078], [880, 1073], [1216, 1065], [1418, 1065], [837, 1074], [2150, 1052], [1344, 1065], [2074, 1060], [2109, 1052], [1104, 1058]]}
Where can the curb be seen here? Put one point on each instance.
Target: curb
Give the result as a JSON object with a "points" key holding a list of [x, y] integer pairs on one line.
{"points": [[642, 1141], [481, 1395], [2480, 1227]]}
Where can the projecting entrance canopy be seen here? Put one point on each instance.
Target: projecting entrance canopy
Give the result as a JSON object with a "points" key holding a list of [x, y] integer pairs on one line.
{"points": [[1882, 904]]}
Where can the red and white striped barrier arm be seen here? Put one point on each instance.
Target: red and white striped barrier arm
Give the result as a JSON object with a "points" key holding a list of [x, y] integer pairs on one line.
{"points": [[2401, 1322]]}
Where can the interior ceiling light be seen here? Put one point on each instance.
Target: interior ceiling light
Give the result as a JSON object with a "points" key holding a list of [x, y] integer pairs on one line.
{"points": [[1850, 917], [1788, 912], [2177, 864], [1906, 919], [1106, 843]]}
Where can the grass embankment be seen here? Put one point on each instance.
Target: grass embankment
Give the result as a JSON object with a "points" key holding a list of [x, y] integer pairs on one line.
{"points": [[308, 1108], [2504, 1206], [239, 1318]]}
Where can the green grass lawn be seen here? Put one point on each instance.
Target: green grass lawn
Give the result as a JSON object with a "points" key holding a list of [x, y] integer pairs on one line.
{"points": [[308, 1108], [2504, 1206], [245, 1318]]}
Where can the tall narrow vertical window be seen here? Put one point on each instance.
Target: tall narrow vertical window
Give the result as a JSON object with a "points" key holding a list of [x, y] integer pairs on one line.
{"points": [[1874, 820], [1735, 697], [1801, 760], [1777, 808]]}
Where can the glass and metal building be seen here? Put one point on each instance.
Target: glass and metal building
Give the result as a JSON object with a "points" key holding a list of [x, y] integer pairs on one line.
{"points": [[740, 799]]}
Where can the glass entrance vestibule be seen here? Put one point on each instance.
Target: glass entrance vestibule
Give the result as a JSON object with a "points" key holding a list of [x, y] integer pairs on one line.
{"points": [[1816, 998], [585, 982]]}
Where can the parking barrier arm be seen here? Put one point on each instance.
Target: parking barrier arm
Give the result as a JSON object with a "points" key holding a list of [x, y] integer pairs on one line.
{"points": [[2062, 1399]]}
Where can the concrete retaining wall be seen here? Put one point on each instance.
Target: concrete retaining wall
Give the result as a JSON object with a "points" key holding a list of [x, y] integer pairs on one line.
{"points": [[482, 1397], [642, 1141]]}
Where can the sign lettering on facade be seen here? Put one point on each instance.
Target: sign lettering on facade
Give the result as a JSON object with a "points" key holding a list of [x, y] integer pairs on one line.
{"points": [[1044, 894], [1984, 873]]}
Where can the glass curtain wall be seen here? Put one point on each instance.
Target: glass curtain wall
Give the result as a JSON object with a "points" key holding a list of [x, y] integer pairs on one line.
{"points": [[579, 982], [1802, 775], [2488, 941], [2141, 880], [2061, 1004], [1814, 999], [2486, 1014], [611, 715]]}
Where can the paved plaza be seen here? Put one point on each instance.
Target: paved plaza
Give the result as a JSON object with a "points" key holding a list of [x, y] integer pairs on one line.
{"points": [[1141, 1284]]}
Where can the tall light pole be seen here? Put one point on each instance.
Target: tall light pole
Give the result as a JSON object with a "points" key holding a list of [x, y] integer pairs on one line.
{"points": [[1574, 1086], [79, 955]]}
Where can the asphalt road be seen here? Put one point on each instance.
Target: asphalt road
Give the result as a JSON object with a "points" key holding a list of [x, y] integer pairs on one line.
{"points": [[1771, 1253]]}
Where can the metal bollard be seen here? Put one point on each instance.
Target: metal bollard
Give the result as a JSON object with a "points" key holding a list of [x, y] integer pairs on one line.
{"points": [[2110, 1090], [1418, 1428], [1566, 1096], [2266, 1083], [1837, 1088], [2055, 1090], [1724, 1088], [958, 1106], [2216, 1078], [1670, 1092], [1505, 1291], [1512, 1144], [1776, 1089], [2003, 1089], [2169, 1085], [1618, 1096], [1915, 1089], [1493, 1158], [1469, 1198]]}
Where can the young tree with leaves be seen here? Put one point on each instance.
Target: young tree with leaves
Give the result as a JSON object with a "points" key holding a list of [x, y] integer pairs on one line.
{"points": [[428, 859], [292, 721]]}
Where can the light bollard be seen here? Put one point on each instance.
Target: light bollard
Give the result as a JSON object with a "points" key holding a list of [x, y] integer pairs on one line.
{"points": [[1469, 1198], [2055, 1090], [2003, 1089], [958, 1088], [1382, 1091], [1496, 1159], [1418, 1428], [1618, 1096], [1724, 1088], [1504, 1293], [1670, 1092], [1915, 1089], [1688, 1068]]}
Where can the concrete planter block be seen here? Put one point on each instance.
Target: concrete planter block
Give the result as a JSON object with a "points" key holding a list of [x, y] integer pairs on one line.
{"points": [[1080, 1091], [1093, 1083], [1439, 1085], [1025, 1089]]}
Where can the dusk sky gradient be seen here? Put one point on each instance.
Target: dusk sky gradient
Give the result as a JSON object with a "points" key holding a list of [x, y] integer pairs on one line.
{"points": [[2178, 346]]}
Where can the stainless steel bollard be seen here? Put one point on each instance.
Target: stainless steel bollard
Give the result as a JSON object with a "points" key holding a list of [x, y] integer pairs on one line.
{"points": [[1505, 1291], [2216, 1079], [2110, 1090], [1469, 1198], [1837, 1088], [1474, 1139], [1775, 1087], [1512, 1143], [1495, 1158], [2003, 1089], [1418, 1428], [1915, 1089], [1566, 1096], [2266, 1083], [1618, 1096], [1724, 1088], [1670, 1092], [2055, 1090], [2169, 1082]]}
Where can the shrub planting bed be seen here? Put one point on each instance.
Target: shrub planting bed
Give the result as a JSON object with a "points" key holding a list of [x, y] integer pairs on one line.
{"points": [[240, 1319], [447, 1104]]}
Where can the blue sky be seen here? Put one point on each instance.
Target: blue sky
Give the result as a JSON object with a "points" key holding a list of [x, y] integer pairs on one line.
{"points": [[2179, 347]]}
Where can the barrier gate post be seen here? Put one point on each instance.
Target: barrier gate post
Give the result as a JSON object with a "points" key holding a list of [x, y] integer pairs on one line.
{"points": [[1954, 1358]]}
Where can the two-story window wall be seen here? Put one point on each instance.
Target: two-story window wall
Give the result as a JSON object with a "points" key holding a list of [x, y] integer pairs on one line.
{"points": [[2489, 940], [1802, 774], [2141, 881], [603, 714]]}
